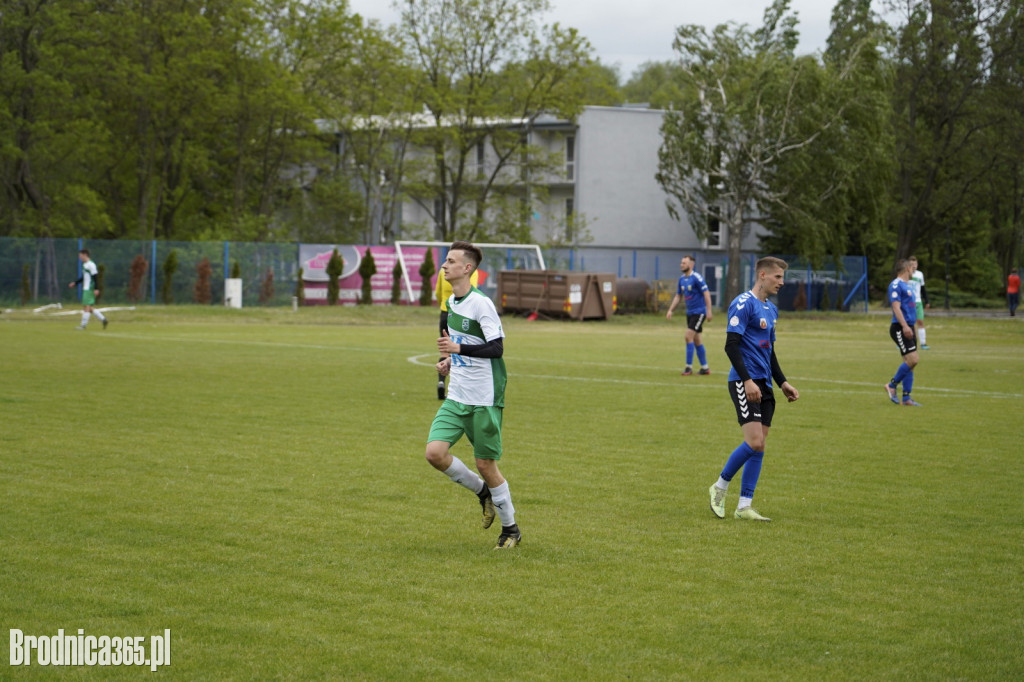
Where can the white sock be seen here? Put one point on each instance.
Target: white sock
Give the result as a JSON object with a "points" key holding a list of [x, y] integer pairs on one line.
{"points": [[744, 502], [503, 504], [85, 318], [99, 315], [923, 335], [721, 484], [461, 474]]}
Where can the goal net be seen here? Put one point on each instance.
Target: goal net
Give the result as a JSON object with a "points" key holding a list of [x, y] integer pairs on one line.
{"points": [[496, 257]]}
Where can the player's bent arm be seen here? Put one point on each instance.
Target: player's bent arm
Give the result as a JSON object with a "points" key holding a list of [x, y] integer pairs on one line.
{"points": [[777, 374], [732, 349], [707, 304], [672, 306], [494, 348], [898, 314]]}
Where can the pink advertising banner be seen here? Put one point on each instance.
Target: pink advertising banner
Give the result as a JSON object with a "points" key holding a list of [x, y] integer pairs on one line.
{"points": [[313, 261]]}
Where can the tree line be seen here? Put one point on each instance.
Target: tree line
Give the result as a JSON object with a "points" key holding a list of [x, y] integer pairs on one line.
{"points": [[290, 120]]}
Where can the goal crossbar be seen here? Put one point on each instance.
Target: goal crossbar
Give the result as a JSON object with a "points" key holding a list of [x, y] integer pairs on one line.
{"points": [[535, 248]]}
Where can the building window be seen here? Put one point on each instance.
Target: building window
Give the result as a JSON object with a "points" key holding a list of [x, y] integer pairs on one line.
{"points": [[479, 160], [570, 157], [714, 238]]}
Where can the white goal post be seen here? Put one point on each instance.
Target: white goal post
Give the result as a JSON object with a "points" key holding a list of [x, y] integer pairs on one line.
{"points": [[532, 250]]}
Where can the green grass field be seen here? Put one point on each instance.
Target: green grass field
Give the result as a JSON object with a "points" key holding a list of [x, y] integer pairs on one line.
{"points": [[254, 481]]}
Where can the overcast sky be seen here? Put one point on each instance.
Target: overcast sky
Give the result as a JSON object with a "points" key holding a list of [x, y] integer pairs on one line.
{"points": [[628, 33]]}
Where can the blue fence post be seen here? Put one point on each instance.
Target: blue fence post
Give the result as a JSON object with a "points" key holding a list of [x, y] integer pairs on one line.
{"points": [[619, 274], [865, 284], [634, 262], [152, 275], [656, 268], [572, 259], [227, 256]]}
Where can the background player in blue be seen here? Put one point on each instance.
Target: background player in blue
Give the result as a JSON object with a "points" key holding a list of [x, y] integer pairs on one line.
{"points": [[750, 345], [901, 329], [694, 289]]}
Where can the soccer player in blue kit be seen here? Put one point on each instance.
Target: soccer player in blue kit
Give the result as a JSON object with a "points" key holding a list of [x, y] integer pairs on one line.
{"points": [[698, 311], [904, 313], [750, 345]]}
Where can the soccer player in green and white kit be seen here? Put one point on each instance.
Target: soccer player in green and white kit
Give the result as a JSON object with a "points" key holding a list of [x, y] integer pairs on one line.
{"points": [[89, 290], [476, 393]]}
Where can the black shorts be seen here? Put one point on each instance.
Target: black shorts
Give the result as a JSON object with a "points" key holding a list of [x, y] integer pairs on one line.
{"points": [[904, 343], [747, 412], [696, 322], [443, 326]]}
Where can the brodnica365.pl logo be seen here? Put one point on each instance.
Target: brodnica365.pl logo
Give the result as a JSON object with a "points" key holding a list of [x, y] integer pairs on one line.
{"points": [[89, 650]]}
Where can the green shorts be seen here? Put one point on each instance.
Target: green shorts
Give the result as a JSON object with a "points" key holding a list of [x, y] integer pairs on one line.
{"points": [[481, 424], [88, 298], [919, 307]]}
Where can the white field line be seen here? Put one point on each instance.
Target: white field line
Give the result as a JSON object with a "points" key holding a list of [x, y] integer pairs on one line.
{"points": [[429, 360], [695, 382]]}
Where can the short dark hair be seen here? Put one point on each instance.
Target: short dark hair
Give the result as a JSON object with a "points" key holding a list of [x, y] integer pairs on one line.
{"points": [[473, 253], [85, 251], [901, 265], [770, 262]]}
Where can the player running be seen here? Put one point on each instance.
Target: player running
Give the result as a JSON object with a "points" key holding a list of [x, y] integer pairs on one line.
{"points": [[694, 289], [472, 350]]}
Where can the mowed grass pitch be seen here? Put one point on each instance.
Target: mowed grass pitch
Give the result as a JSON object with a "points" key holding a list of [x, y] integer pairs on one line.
{"points": [[254, 481]]}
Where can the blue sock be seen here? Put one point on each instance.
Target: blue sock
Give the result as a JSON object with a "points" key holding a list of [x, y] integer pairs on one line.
{"points": [[908, 384], [900, 373], [689, 354], [702, 356], [737, 459], [751, 472]]}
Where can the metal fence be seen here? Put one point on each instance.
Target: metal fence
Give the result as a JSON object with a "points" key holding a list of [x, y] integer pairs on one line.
{"points": [[37, 271]]}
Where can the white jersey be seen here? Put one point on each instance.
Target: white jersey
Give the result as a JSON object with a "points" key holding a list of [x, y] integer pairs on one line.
{"points": [[916, 282], [88, 275], [473, 321]]}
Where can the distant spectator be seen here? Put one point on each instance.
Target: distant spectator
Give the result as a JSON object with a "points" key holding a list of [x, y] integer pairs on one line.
{"points": [[1013, 291]]}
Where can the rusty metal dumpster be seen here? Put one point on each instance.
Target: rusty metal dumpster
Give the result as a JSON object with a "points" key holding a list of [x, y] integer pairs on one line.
{"points": [[557, 293]]}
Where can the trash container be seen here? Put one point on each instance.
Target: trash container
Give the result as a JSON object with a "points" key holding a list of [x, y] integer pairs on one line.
{"points": [[556, 293]]}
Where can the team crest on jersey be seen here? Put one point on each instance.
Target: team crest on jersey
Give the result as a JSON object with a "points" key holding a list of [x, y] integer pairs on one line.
{"points": [[465, 325], [764, 323]]}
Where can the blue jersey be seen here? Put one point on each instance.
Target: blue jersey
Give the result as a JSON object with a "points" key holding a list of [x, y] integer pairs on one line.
{"points": [[692, 288], [903, 292], [755, 321]]}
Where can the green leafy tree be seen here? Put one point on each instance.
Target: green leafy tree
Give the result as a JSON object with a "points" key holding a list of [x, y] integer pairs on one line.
{"points": [[26, 288], [660, 84], [483, 63], [335, 266], [957, 111], [749, 106], [300, 288], [367, 269], [137, 278], [203, 291], [396, 284], [167, 286], [427, 270], [267, 287], [834, 194]]}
